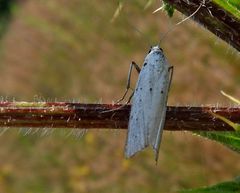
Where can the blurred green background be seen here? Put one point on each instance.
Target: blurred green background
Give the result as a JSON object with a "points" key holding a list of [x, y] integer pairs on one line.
{"points": [[70, 51]]}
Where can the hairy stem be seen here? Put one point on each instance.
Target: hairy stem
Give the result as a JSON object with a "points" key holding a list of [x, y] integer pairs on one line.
{"points": [[222, 22], [77, 115]]}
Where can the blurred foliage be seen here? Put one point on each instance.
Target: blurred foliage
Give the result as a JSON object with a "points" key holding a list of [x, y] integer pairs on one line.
{"points": [[168, 8], [230, 139], [60, 50], [224, 187], [5, 14]]}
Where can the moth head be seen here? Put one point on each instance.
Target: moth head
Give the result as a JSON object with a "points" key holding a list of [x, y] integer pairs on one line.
{"points": [[155, 54], [155, 49]]}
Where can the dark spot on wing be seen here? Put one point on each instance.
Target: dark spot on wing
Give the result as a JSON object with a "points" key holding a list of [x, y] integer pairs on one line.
{"points": [[141, 88], [145, 64], [161, 91], [150, 89]]}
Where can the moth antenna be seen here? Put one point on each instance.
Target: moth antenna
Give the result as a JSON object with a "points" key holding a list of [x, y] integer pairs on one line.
{"points": [[187, 18], [142, 34]]}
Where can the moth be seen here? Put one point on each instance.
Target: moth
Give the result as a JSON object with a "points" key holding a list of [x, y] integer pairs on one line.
{"points": [[149, 103]]}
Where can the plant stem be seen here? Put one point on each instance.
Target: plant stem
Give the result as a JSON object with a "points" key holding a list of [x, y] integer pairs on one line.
{"points": [[77, 115], [212, 16]]}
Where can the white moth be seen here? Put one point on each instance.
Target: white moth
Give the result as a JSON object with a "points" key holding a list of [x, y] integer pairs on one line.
{"points": [[148, 112]]}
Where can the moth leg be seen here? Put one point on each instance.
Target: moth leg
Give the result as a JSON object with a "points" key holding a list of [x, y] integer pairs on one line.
{"points": [[133, 64], [128, 101], [171, 75], [119, 108]]}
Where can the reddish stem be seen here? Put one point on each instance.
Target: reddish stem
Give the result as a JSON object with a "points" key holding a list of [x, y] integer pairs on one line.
{"points": [[213, 17], [76, 115]]}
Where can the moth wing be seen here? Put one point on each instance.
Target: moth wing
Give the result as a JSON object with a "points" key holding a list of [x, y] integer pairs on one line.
{"points": [[156, 94], [147, 116], [160, 104], [137, 137]]}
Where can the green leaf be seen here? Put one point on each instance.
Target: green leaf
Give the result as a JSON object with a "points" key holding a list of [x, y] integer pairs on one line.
{"points": [[231, 6], [235, 126], [224, 187], [168, 8], [229, 139]]}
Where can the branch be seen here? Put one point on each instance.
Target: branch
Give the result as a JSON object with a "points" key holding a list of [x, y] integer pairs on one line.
{"points": [[76, 115], [215, 18]]}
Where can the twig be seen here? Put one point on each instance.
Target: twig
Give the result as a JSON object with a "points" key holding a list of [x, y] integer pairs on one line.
{"points": [[76, 115], [213, 17]]}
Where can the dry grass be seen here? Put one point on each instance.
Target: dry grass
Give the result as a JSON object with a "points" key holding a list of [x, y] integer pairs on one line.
{"points": [[70, 50]]}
